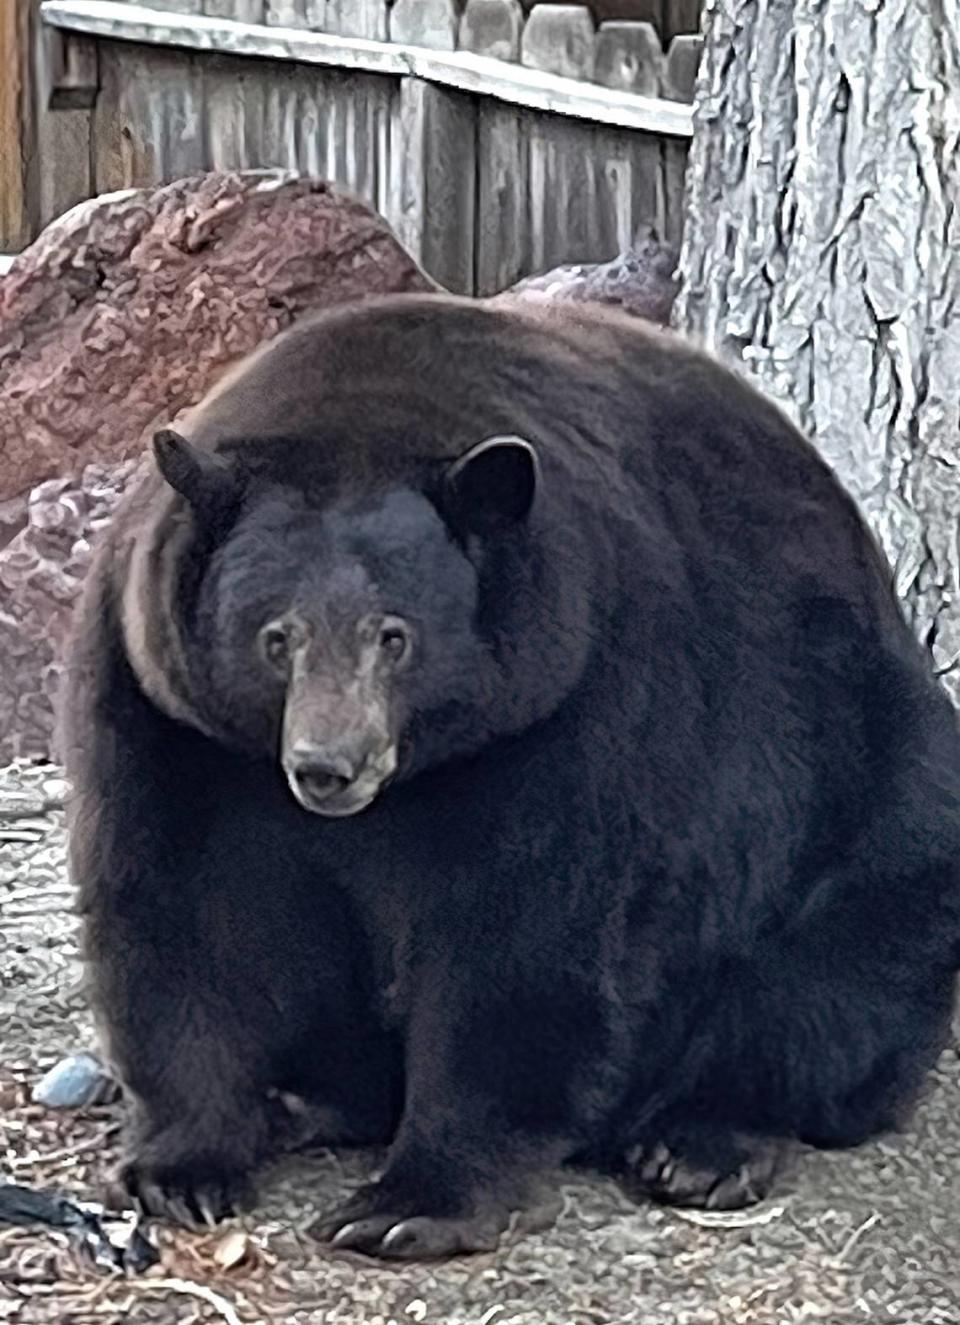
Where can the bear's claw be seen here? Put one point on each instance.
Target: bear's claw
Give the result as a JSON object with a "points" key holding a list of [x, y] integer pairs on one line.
{"points": [[189, 1195], [667, 1176], [398, 1233]]}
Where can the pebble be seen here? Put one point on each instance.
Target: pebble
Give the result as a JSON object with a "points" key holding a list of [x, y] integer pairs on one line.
{"points": [[73, 1083]]}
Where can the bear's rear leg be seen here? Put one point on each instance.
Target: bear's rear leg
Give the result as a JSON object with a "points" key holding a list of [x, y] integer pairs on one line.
{"points": [[701, 1166]]}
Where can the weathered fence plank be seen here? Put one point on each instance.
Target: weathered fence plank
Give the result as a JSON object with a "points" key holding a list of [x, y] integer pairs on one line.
{"points": [[234, 119], [16, 124], [431, 23], [343, 129], [281, 114], [148, 123], [493, 28], [357, 18], [503, 222], [559, 39], [683, 61], [286, 13], [674, 185], [243, 11], [629, 56], [630, 191], [562, 195], [66, 73], [432, 196]]}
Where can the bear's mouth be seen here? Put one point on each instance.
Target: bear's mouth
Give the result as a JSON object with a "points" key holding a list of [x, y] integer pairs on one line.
{"points": [[340, 805], [335, 797]]}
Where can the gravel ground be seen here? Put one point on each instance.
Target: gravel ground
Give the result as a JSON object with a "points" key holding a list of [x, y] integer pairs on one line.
{"points": [[863, 1236]]}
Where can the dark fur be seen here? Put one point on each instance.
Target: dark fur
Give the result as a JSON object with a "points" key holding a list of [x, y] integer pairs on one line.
{"points": [[673, 861]]}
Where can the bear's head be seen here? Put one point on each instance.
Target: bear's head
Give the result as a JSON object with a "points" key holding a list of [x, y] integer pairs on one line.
{"points": [[371, 633]]}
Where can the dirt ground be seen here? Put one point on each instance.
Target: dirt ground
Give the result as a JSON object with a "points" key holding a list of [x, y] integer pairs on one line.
{"points": [[864, 1236]]}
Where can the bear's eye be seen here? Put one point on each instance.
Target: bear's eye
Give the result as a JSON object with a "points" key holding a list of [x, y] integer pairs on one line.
{"points": [[395, 641], [275, 646]]}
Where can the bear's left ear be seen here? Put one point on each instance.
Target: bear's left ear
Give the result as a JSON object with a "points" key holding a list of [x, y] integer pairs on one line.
{"points": [[491, 487], [205, 479]]}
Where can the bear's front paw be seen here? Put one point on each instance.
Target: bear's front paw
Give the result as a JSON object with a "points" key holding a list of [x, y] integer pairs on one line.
{"points": [[194, 1191], [730, 1179], [385, 1222]]}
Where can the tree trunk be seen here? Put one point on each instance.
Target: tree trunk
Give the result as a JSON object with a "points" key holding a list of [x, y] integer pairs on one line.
{"points": [[822, 255]]}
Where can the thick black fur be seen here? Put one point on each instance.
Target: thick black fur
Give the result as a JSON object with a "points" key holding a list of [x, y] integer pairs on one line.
{"points": [[670, 872]]}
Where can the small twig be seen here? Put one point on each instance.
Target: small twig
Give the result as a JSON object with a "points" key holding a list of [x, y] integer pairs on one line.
{"points": [[69, 1152], [31, 894], [190, 1289], [28, 809], [730, 1218], [98, 1292], [857, 1234]]}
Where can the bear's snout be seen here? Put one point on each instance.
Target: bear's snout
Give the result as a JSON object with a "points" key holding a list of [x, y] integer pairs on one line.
{"points": [[337, 781]]}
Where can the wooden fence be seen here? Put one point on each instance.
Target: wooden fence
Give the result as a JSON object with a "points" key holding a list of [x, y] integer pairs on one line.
{"points": [[488, 169]]}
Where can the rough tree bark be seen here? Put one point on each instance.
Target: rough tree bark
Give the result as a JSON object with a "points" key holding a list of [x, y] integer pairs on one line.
{"points": [[822, 255]]}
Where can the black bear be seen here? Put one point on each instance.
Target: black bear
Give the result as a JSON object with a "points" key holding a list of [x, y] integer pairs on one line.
{"points": [[496, 726]]}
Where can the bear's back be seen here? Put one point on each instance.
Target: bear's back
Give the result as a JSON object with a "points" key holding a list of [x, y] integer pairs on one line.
{"points": [[635, 428]]}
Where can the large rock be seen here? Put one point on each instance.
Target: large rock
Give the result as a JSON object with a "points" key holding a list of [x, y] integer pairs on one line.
{"points": [[127, 308], [41, 571], [640, 281], [122, 315]]}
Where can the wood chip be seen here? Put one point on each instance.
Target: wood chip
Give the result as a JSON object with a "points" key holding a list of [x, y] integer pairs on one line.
{"points": [[232, 1250]]}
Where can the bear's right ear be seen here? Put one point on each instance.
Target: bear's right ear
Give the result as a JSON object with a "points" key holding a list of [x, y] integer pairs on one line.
{"points": [[492, 486], [206, 480]]}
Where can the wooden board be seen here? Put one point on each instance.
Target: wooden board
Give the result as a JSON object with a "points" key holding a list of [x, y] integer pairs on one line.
{"points": [[15, 125], [432, 196], [562, 195], [630, 189], [502, 233], [148, 122], [674, 173], [66, 73], [343, 129], [357, 18], [588, 192], [297, 117], [243, 11], [233, 93]]}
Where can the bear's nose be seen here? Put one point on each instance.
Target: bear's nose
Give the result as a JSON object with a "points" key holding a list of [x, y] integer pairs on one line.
{"points": [[320, 772]]}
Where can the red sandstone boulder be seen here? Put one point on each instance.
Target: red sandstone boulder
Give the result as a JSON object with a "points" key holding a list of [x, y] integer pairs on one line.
{"points": [[127, 308], [122, 315], [41, 571]]}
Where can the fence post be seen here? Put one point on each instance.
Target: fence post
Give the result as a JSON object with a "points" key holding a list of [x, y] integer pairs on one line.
{"points": [[17, 125]]}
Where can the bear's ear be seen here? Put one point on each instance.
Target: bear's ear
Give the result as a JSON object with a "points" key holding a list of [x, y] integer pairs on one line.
{"points": [[203, 478], [492, 486]]}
